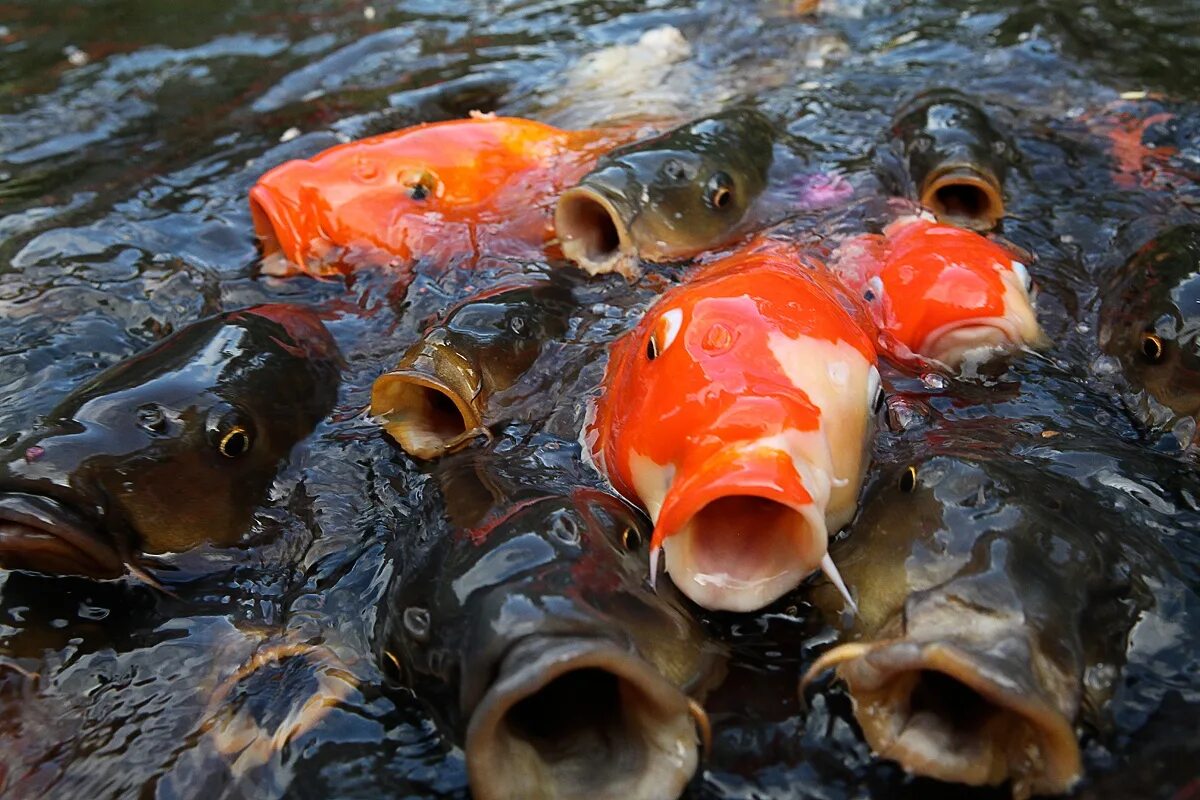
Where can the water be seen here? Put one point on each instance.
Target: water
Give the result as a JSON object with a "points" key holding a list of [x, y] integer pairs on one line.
{"points": [[130, 131]]}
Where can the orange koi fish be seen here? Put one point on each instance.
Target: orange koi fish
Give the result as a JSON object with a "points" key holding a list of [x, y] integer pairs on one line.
{"points": [[940, 292], [738, 412], [439, 189]]}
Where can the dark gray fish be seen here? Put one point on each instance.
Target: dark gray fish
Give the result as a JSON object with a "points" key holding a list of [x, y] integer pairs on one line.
{"points": [[440, 394], [954, 157], [1150, 319], [981, 603], [531, 626], [169, 449], [669, 197]]}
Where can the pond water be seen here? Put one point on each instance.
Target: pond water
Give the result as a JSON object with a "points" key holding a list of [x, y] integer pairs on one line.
{"points": [[130, 133]]}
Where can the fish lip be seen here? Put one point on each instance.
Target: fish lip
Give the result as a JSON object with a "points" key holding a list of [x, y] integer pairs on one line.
{"points": [[940, 345], [393, 388], [593, 233], [983, 188], [884, 677], [656, 719], [41, 534], [278, 232]]}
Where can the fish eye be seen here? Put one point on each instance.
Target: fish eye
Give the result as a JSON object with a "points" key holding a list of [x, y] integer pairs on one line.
{"points": [[150, 417], [718, 193], [664, 333], [908, 479], [651, 348], [421, 184], [1153, 347], [230, 431], [631, 538], [875, 394]]}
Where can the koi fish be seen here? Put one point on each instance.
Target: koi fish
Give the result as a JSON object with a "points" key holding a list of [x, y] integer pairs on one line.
{"points": [[434, 190], [738, 413], [942, 293]]}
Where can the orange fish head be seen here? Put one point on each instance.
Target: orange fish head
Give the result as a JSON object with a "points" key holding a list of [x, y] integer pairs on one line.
{"points": [[953, 296], [738, 413]]}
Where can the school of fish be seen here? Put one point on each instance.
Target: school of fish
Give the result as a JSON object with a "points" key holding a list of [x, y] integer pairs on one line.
{"points": [[718, 463]]}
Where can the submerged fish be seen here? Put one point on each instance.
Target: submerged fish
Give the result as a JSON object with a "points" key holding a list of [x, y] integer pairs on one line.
{"points": [[440, 189], [940, 292], [954, 157], [669, 197], [531, 626], [439, 395], [169, 449], [738, 412], [975, 596], [1150, 319]]}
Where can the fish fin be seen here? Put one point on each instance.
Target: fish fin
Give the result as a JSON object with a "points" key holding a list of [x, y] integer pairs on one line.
{"points": [[831, 571], [654, 565]]}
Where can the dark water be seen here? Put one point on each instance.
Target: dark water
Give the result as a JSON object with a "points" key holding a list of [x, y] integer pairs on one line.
{"points": [[130, 132]]}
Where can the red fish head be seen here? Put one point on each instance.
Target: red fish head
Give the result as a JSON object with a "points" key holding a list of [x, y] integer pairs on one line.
{"points": [[952, 295], [738, 413], [408, 192]]}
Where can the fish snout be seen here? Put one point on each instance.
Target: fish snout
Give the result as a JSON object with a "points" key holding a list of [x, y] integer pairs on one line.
{"points": [[41, 534], [576, 718], [742, 529], [592, 221], [967, 195], [432, 402], [279, 229]]}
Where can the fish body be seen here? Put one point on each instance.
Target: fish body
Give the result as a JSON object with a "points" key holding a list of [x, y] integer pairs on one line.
{"points": [[976, 594], [168, 449], [434, 190], [945, 294], [440, 393], [954, 158], [1150, 319], [669, 197], [738, 413], [531, 629]]}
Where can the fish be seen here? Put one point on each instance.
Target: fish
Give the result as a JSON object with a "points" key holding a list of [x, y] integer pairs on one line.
{"points": [[168, 449], [945, 294], [440, 395], [669, 197], [976, 593], [1150, 319], [483, 184], [954, 158], [738, 413], [528, 626]]}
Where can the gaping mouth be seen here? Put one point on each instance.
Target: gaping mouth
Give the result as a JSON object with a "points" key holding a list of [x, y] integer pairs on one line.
{"points": [[966, 196], [979, 340], [593, 233], [277, 233], [42, 535], [580, 718], [958, 714], [423, 414]]}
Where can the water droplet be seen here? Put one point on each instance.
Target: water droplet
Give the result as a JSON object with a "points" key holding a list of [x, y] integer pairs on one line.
{"points": [[934, 380]]}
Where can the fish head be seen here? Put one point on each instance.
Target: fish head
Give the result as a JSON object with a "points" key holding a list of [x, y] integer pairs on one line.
{"points": [[438, 396], [738, 414], [667, 198], [571, 671], [1151, 322], [952, 295], [169, 449], [399, 192], [956, 158]]}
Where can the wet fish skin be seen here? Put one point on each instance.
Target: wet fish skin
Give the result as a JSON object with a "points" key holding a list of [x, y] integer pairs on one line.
{"points": [[530, 627], [1150, 319], [975, 591], [168, 449], [440, 394], [669, 197], [954, 158], [435, 190], [738, 413]]}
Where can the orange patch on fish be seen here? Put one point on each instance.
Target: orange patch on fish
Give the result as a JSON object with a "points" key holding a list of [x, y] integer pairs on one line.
{"points": [[435, 190]]}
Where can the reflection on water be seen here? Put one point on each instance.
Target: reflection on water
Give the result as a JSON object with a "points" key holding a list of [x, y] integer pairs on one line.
{"points": [[130, 132]]}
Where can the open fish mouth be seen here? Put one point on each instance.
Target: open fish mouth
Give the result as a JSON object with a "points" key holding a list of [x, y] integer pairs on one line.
{"points": [[40, 534], [593, 233], [424, 414], [278, 231], [577, 718], [959, 712], [978, 340], [964, 195]]}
